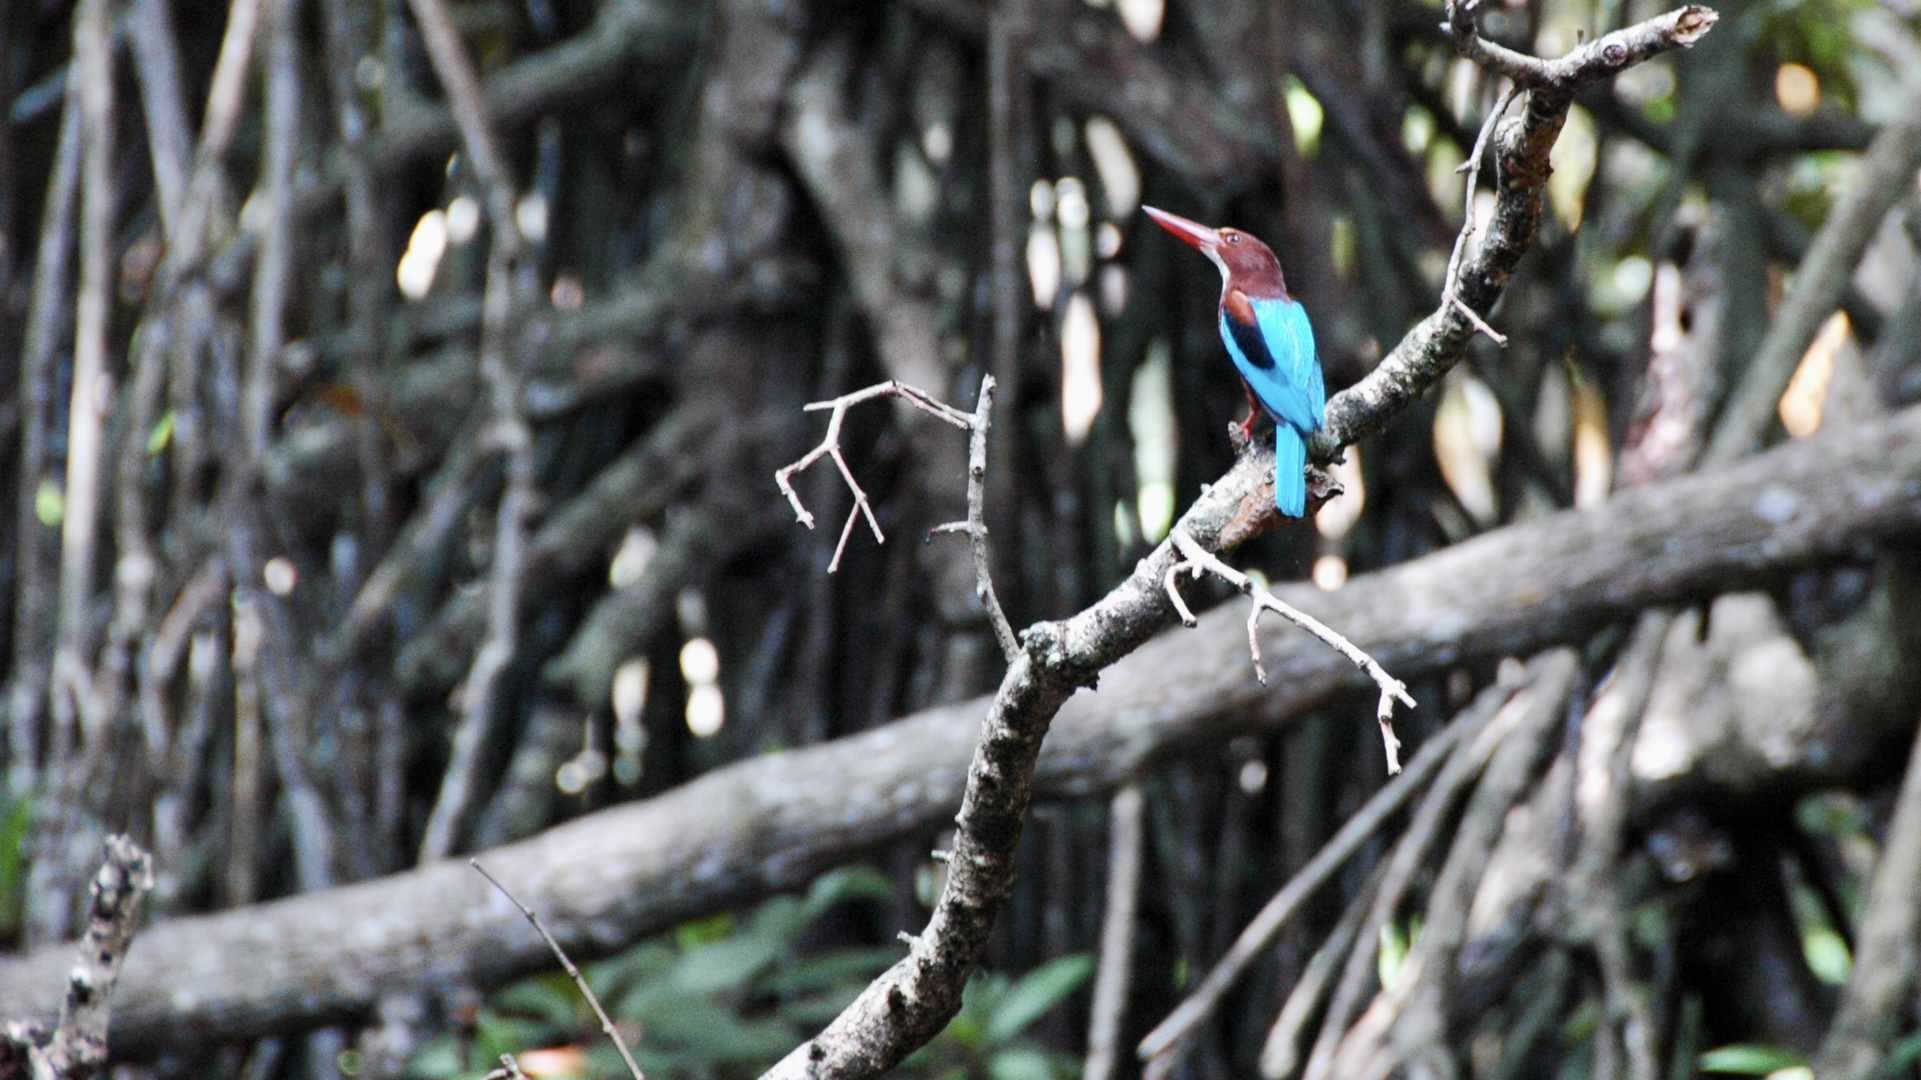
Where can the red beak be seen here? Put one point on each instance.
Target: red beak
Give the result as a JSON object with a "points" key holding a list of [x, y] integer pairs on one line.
{"points": [[1193, 232]]}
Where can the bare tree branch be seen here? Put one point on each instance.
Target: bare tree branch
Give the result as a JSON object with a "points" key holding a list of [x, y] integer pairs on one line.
{"points": [[1196, 560], [76, 1046], [508, 431], [1118, 926]]}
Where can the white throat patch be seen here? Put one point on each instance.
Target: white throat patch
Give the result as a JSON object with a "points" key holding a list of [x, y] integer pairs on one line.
{"points": [[1219, 263]]}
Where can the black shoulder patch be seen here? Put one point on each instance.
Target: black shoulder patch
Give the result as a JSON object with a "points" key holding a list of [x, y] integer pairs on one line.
{"points": [[1248, 336]]}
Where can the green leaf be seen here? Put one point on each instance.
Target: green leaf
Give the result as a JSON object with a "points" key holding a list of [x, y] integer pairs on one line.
{"points": [[13, 861], [779, 920], [438, 1059], [552, 997], [710, 1032], [725, 966], [830, 969], [496, 1033], [690, 935], [843, 885], [1036, 993], [1020, 1065], [49, 503], [1393, 953], [1901, 1056], [1749, 1059], [161, 435], [1827, 956]]}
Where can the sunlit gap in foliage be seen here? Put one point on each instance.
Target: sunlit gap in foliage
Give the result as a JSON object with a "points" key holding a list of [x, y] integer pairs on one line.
{"points": [[1141, 17], [629, 700], [1114, 164], [1304, 115], [421, 261], [1593, 452], [1337, 517], [700, 666], [1043, 247], [1072, 213], [1573, 159], [637, 550], [1150, 420], [463, 219], [1081, 392], [1467, 444], [1797, 88], [1806, 398]]}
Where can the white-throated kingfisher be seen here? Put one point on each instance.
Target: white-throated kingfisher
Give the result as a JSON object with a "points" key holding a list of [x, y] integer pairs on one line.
{"points": [[1269, 339]]}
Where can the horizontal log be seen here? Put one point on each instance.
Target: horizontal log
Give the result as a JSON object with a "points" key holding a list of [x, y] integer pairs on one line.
{"points": [[771, 823]]}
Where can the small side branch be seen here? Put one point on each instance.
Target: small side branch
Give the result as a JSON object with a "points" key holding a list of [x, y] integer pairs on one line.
{"points": [[976, 524], [830, 447], [606, 1022], [77, 1045], [1450, 292], [1197, 559], [1585, 65]]}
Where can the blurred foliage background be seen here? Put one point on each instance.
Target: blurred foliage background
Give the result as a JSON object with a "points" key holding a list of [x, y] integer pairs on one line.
{"points": [[287, 605]]}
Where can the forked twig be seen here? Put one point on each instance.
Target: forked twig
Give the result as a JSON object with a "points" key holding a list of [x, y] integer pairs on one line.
{"points": [[606, 1022], [1196, 560], [830, 447]]}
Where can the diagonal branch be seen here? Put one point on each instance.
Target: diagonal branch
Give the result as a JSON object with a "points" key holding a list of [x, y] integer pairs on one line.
{"points": [[1521, 144], [607, 1025], [76, 1047]]}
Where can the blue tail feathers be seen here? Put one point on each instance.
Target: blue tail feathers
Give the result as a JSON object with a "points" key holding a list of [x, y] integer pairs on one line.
{"points": [[1290, 465]]}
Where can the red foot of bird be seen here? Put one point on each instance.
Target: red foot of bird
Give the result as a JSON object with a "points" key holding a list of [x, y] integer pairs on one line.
{"points": [[1242, 433]]}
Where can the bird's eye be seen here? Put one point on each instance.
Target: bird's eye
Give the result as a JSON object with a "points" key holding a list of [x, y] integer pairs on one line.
{"points": [[1233, 238]]}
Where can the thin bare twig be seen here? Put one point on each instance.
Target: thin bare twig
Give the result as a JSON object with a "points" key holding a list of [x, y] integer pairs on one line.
{"points": [[508, 430], [1109, 1007], [1450, 291], [830, 447], [606, 1022], [976, 524], [33, 591], [1198, 559]]}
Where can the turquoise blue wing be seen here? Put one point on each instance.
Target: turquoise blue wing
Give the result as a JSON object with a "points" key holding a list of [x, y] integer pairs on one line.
{"points": [[1276, 356]]}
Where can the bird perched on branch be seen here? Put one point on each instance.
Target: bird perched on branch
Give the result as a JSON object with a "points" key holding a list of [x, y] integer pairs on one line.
{"points": [[1271, 343]]}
